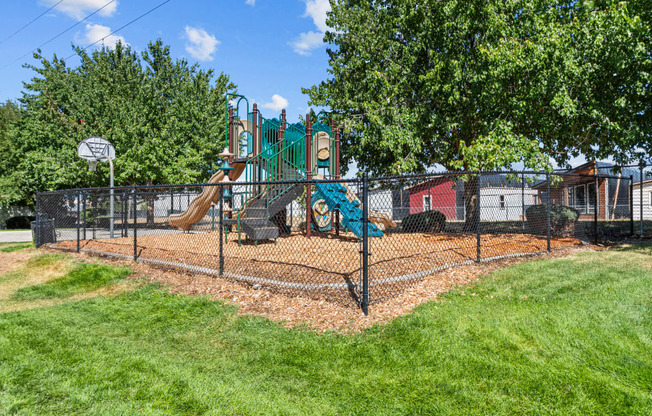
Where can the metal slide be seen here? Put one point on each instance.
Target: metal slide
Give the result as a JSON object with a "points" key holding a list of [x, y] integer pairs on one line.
{"points": [[199, 206]]}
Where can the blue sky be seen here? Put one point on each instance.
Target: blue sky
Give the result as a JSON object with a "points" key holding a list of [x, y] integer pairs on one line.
{"points": [[269, 48]]}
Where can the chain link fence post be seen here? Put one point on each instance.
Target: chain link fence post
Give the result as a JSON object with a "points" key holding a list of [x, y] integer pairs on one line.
{"points": [[135, 201], [308, 174], [548, 209], [78, 216], [365, 244], [36, 226], [84, 214], [125, 215], [640, 202], [596, 200], [478, 252], [523, 201], [631, 205], [221, 229]]}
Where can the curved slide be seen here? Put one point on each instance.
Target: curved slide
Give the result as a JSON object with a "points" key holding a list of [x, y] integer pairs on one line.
{"points": [[199, 206]]}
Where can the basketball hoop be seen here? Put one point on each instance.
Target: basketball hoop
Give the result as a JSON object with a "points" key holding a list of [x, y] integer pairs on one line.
{"points": [[97, 149]]}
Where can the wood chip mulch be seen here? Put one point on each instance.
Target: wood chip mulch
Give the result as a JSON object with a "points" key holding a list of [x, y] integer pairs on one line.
{"points": [[317, 313], [324, 265]]}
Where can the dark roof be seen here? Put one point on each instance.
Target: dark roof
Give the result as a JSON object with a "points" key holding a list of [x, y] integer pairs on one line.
{"points": [[604, 168], [486, 181]]}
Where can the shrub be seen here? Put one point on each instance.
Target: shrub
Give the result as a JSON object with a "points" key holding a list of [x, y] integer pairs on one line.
{"points": [[425, 222], [562, 219], [20, 222]]}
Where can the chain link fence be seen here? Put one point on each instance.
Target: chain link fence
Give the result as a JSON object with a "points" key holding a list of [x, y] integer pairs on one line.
{"points": [[353, 242]]}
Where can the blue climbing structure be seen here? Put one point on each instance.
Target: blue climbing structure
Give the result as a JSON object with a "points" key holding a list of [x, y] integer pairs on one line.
{"points": [[335, 196]]}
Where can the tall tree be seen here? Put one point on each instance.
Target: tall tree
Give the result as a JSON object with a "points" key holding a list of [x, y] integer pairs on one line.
{"points": [[164, 117], [9, 114], [482, 84]]}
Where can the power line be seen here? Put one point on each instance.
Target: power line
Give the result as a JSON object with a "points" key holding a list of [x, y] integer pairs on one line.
{"points": [[55, 37], [120, 28], [29, 23]]}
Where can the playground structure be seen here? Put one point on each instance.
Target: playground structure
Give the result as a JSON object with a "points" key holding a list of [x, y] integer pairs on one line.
{"points": [[271, 153]]}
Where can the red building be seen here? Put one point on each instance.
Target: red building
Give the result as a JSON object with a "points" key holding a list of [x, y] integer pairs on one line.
{"points": [[436, 194]]}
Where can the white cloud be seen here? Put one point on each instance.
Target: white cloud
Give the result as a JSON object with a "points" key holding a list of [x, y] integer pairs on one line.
{"points": [[95, 33], [307, 41], [317, 9], [250, 2], [278, 103], [200, 45], [78, 9]]}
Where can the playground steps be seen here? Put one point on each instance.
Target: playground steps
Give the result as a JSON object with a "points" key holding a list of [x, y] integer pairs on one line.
{"points": [[335, 196], [257, 224], [259, 228]]}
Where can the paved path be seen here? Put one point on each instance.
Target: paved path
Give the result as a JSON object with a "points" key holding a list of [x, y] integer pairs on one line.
{"points": [[15, 236]]}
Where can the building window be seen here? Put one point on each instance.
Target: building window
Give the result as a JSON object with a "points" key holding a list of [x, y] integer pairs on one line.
{"points": [[502, 202], [544, 197], [582, 198], [591, 198], [650, 198], [427, 202]]}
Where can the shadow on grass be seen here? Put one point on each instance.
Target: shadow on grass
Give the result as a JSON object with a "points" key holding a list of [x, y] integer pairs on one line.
{"points": [[636, 248]]}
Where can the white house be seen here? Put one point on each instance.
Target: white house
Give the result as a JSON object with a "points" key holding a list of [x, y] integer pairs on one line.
{"points": [[647, 199], [504, 203]]}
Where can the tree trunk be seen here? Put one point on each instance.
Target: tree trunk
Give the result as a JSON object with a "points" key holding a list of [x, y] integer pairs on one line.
{"points": [[606, 186], [472, 215], [150, 198]]}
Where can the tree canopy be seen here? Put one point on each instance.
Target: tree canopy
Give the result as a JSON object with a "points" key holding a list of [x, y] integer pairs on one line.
{"points": [[483, 84], [164, 117]]}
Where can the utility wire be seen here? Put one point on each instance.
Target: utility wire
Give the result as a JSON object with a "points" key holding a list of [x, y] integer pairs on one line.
{"points": [[121, 27], [55, 37], [29, 23]]}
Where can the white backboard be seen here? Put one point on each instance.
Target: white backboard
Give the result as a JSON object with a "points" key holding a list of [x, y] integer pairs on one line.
{"points": [[96, 148]]}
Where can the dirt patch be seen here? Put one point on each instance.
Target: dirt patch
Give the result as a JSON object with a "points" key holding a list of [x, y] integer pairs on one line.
{"points": [[113, 290], [317, 312], [19, 272], [9, 261], [25, 276]]}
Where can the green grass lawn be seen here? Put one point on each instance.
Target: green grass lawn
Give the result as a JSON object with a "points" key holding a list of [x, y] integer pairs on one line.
{"points": [[553, 337], [10, 247], [85, 277]]}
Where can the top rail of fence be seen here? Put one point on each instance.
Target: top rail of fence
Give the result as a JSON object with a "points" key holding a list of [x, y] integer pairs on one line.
{"points": [[344, 180]]}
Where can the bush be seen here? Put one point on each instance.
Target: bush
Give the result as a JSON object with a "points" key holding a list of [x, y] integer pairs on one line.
{"points": [[424, 222], [562, 219], [21, 222]]}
